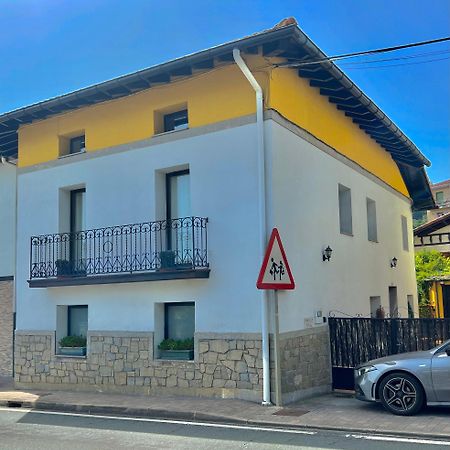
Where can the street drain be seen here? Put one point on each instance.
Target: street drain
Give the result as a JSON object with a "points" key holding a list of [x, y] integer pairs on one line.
{"points": [[290, 412], [14, 404]]}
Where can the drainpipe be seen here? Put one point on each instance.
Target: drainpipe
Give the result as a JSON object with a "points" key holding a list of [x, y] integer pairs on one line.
{"points": [[262, 216]]}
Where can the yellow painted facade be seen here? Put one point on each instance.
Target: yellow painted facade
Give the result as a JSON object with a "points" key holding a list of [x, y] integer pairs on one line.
{"points": [[212, 97], [436, 296]]}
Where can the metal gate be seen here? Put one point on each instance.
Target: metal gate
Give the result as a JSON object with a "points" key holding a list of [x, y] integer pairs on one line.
{"points": [[356, 340]]}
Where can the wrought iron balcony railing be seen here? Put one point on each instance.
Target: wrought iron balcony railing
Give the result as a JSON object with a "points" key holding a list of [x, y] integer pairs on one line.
{"points": [[150, 246]]}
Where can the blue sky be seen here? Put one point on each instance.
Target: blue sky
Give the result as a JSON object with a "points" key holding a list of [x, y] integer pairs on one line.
{"points": [[50, 47]]}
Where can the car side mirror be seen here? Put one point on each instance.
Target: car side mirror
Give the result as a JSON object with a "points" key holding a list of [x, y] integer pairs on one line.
{"points": [[447, 350]]}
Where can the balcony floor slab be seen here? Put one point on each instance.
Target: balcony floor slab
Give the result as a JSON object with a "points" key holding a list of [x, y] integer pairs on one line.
{"points": [[119, 278]]}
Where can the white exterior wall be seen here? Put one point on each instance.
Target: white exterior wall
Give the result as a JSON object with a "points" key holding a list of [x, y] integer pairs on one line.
{"points": [[120, 189], [305, 210], [7, 218]]}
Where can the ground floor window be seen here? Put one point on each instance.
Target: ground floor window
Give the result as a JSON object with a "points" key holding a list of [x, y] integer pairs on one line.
{"points": [[179, 320], [71, 329], [174, 330], [77, 320]]}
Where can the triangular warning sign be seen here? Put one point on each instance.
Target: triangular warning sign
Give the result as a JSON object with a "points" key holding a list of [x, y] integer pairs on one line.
{"points": [[275, 272]]}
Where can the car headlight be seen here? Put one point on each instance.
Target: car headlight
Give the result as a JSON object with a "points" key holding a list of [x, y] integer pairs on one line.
{"points": [[363, 370]]}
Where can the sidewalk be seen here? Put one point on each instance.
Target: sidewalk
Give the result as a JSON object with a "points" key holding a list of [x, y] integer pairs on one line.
{"points": [[332, 411]]}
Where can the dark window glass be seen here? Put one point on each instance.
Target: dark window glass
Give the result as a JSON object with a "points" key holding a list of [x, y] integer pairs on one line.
{"points": [[77, 144], [77, 320], [179, 320], [176, 121]]}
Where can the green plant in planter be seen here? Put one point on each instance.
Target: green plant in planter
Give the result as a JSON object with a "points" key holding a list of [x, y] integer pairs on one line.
{"points": [[63, 267], [73, 341], [177, 349], [177, 344]]}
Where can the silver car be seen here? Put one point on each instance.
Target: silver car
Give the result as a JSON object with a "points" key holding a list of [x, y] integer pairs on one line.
{"points": [[404, 383]]}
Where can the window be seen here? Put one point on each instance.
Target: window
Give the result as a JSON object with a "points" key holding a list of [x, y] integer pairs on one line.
{"points": [[179, 320], [77, 320], [375, 306], [410, 300], [371, 221], [77, 144], [77, 224], [405, 233], [72, 143], [439, 197], [393, 302], [345, 210], [71, 321], [176, 121]]}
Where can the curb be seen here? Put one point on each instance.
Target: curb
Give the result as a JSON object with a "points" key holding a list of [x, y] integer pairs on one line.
{"points": [[122, 411]]}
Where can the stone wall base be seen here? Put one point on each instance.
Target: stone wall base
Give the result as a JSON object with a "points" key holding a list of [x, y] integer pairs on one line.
{"points": [[305, 363], [225, 366], [6, 327]]}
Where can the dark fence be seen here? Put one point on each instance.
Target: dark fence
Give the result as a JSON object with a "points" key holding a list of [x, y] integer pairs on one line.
{"points": [[175, 244], [357, 340]]}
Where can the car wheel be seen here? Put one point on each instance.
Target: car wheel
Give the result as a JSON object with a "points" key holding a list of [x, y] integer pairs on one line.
{"points": [[401, 394]]}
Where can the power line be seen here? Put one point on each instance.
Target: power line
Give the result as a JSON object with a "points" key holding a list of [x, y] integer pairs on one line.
{"points": [[398, 58], [362, 53], [383, 66]]}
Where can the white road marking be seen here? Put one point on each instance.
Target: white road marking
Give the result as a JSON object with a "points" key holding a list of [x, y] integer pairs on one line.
{"points": [[398, 439], [168, 421]]}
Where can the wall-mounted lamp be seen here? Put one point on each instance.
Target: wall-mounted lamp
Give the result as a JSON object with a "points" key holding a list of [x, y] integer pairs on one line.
{"points": [[394, 262], [326, 254]]}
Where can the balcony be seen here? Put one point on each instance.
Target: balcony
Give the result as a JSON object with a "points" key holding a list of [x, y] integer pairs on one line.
{"points": [[160, 250]]}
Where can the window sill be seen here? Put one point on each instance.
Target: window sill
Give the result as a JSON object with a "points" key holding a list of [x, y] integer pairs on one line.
{"points": [[164, 133], [57, 355], [171, 361], [347, 234], [72, 154], [373, 242]]}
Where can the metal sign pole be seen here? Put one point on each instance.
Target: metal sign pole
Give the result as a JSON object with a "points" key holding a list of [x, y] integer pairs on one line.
{"points": [[276, 348]]}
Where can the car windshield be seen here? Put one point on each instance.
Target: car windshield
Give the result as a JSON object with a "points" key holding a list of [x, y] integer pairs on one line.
{"points": [[440, 345]]}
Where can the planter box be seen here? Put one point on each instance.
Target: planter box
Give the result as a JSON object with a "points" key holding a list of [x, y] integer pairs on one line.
{"points": [[72, 351], [185, 355]]}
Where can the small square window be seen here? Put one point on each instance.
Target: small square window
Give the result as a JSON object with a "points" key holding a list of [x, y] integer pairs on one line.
{"points": [[439, 197], [77, 144], [176, 121]]}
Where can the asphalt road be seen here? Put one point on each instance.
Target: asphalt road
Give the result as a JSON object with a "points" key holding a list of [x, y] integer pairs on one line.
{"points": [[24, 430]]}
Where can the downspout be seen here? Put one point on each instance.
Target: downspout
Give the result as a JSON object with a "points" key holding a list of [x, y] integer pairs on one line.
{"points": [[262, 216]]}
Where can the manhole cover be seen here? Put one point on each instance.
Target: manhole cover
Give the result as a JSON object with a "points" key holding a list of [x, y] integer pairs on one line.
{"points": [[291, 412]]}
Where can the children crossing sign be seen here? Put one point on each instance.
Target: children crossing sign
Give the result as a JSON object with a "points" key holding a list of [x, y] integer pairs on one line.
{"points": [[275, 272]]}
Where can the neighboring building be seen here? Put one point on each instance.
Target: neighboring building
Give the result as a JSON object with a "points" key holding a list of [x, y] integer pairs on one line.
{"points": [[434, 235], [174, 150], [7, 261], [441, 194]]}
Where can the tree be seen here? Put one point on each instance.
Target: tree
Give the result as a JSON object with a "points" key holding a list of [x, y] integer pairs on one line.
{"points": [[429, 263]]}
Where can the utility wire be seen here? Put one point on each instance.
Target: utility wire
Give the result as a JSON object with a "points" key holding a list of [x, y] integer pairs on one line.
{"points": [[366, 52], [383, 66], [398, 58]]}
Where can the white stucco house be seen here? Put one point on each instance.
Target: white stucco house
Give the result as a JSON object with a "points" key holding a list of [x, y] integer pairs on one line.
{"points": [[7, 262], [145, 203]]}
